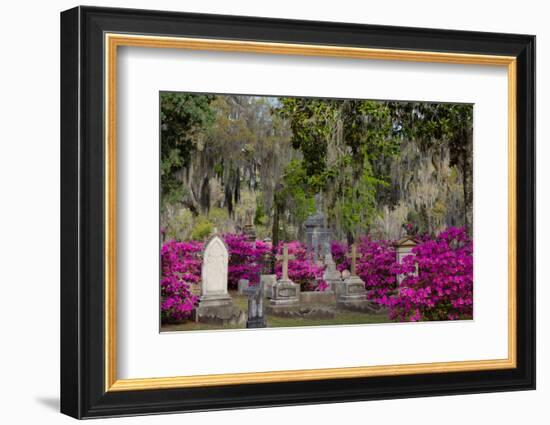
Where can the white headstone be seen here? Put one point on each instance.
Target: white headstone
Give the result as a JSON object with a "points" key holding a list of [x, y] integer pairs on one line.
{"points": [[215, 304], [214, 268]]}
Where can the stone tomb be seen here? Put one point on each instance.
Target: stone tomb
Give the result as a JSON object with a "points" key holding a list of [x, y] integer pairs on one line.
{"points": [[215, 304], [351, 293], [268, 281], [285, 293], [331, 275]]}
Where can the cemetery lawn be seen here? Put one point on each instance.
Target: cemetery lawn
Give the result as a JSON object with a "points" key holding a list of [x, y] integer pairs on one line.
{"points": [[342, 318]]}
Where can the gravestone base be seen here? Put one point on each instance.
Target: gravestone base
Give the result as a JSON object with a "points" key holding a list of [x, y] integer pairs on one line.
{"points": [[334, 284], [218, 311], [331, 275], [285, 296], [359, 305], [317, 298], [257, 322], [352, 295], [303, 312]]}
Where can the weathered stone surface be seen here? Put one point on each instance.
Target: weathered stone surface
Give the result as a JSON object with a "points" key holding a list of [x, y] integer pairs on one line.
{"points": [[331, 275], [256, 317], [215, 303], [223, 314], [268, 280], [352, 295], [242, 285], [317, 297], [286, 295], [304, 312], [214, 268]]}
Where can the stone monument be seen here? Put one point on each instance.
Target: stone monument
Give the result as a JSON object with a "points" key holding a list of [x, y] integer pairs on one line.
{"points": [[285, 293], [403, 248], [331, 275], [352, 293], [242, 285], [256, 318], [268, 281], [215, 304], [317, 233]]}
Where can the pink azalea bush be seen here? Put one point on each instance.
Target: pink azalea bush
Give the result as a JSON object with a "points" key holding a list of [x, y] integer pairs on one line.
{"points": [[300, 269], [245, 259], [180, 267], [375, 268], [438, 280], [374, 265], [339, 251]]}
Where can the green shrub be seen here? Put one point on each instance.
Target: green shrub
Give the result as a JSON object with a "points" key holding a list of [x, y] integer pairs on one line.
{"points": [[203, 229]]}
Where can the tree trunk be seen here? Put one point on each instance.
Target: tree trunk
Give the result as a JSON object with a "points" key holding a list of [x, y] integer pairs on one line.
{"points": [[274, 233]]}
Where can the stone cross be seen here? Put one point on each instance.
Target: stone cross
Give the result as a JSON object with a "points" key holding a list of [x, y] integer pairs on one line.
{"points": [[354, 256], [285, 257]]}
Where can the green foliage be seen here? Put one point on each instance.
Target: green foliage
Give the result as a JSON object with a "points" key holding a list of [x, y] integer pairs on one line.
{"points": [[355, 202], [202, 229], [339, 140], [218, 217], [312, 123], [178, 225], [296, 193], [184, 117], [222, 156], [260, 216], [437, 125]]}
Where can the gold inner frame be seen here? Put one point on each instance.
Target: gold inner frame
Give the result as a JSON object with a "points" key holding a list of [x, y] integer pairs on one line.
{"points": [[113, 41]]}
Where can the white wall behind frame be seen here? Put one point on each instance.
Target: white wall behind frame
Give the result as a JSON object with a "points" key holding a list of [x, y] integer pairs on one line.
{"points": [[30, 215]]}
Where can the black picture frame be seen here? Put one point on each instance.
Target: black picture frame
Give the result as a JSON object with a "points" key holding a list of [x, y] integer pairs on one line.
{"points": [[83, 392]]}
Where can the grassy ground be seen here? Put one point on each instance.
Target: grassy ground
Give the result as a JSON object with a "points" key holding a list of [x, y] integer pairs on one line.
{"points": [[342, 317]]}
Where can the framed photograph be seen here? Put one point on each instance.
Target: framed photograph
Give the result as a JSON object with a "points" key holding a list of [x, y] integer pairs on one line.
{"points": [[262, 212]]}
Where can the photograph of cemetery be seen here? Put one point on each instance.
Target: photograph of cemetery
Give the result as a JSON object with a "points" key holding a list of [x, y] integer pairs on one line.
{"points": [[295, 211]]}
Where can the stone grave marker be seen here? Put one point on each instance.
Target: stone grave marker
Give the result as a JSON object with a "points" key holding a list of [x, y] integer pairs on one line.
{"points": [[215, 303], [242, 285], [285, 293], [331, 275], [268, 280], [352, 293], [256, 317]]}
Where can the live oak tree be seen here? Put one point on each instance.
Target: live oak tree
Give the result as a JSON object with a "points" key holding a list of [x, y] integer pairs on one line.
{"points": [[184, 119], [339, 140], [224, 155], [434, 126]]}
